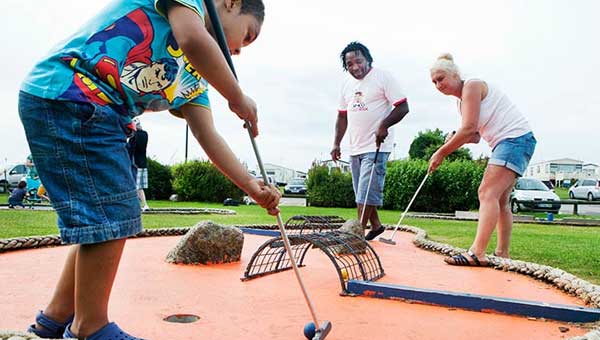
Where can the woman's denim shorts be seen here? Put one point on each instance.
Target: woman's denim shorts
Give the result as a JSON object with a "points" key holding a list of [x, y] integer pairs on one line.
{"points": [[514, 153], [80, 152], [361, 166]]}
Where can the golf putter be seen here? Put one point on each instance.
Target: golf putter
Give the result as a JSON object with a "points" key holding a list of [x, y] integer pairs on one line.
{"points": [[321, 330], [362, 214], [391, 239]]}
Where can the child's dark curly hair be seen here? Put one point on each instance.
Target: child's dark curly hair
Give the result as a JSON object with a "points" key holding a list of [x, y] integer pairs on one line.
{"points": [[254, 7]]}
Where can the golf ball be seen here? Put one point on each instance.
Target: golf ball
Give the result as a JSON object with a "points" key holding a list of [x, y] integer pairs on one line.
{"points": [[309, 330]]}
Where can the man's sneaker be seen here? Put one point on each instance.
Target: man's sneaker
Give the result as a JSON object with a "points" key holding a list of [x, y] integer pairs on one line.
{"points": [[146, 208], [374, 233]]}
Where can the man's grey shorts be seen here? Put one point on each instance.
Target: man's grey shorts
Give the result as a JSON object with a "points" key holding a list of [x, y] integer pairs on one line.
{"points": [[361, 166]]}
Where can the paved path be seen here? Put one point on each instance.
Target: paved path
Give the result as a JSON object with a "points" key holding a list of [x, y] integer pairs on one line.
{"points": [[147, 289]]}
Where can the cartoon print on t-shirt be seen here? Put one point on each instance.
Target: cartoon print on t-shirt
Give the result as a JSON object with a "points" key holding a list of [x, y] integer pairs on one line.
{"points": [[153, 83]]}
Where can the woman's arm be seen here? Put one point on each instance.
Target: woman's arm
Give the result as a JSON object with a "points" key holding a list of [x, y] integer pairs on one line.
{"points": [[468, 132]]}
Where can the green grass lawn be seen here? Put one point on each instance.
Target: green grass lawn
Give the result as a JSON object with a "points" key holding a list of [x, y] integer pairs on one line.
{"points": [[563, 193], [574, 249]]}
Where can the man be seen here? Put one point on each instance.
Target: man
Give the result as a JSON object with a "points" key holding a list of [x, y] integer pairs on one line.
{"points": [[137, 148], [371, 102]]}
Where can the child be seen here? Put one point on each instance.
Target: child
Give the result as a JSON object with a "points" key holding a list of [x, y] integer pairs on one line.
{"points": [[41, 192], [17, 195], [76, 107]]}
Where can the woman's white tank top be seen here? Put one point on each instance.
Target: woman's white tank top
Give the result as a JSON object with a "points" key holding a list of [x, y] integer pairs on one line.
{"points": [[499, 118]]}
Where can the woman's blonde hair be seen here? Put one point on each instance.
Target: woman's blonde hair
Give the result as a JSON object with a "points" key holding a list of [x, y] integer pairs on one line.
{"points": [[445, 62]]}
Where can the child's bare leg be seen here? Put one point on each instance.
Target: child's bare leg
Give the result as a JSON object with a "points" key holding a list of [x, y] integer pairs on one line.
{"points": [[95, 272], [61, 306]]}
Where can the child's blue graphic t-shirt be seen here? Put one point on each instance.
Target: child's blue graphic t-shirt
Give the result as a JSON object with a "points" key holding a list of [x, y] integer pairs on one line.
{"points": [[126, 57]]}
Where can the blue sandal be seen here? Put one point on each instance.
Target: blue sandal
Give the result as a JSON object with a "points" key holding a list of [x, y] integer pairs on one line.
{"points": [[109, 332], [52, 329]]}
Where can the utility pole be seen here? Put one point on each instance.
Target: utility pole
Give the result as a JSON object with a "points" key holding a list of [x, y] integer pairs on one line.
{"points": [[186, 143]]}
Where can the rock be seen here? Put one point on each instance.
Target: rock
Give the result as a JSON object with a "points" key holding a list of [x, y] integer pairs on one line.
{"points": [[358, 245], [354, 227], [174, 198], [208, 243]]}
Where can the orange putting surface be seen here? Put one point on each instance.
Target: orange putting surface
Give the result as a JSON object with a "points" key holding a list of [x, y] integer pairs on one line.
{"points": [[147, 289]]}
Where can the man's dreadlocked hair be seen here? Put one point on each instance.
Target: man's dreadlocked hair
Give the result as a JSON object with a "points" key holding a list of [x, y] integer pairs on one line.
{"points": [[254, 7], [353, 47]]}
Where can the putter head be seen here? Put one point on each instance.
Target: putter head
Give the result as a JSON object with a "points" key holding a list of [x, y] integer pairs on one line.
{"points": [[387, 240], [322, 332]]}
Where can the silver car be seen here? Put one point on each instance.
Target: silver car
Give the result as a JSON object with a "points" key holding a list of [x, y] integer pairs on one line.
{"points": [[588, 189], [297, 186], [531, 194], [10, 175]]}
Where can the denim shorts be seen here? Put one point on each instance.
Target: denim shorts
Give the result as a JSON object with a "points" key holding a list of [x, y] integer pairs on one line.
{"points": [[80, 152], [514, 153], [361, 166]]}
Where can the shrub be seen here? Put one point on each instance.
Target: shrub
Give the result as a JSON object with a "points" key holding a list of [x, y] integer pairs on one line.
{"points": [[202, 181], [452, 187], [160, 181], [329, 188]]}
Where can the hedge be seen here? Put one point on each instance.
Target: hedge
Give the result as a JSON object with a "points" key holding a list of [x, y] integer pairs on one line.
{"points": [[160, 181], [329, 188], [202, 181], [452, 187]]}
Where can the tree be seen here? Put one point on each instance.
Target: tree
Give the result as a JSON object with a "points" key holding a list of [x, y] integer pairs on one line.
{"points": [[427, 142]]}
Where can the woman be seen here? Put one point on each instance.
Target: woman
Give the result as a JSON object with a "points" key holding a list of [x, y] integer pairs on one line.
{"points": [[486, 113]]}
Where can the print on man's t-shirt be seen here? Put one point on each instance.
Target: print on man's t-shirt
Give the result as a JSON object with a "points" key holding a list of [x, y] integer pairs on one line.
{"points": [[358, 103]]}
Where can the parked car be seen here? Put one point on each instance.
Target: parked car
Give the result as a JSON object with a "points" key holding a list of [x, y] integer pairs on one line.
{"points": [[585, 189], [296, 186], [231, 202], [537, 193], [248, 200], [11, 174]]}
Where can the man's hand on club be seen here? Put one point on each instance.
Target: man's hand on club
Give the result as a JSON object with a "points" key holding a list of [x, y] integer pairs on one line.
{"points": [[380, 135], [336, 153]]}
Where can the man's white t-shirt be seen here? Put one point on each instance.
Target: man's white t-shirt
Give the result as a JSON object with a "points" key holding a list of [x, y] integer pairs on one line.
{"points": [[367, 102]]}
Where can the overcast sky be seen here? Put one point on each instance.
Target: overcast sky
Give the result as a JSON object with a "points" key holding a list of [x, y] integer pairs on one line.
{"points": [[543, 53]]}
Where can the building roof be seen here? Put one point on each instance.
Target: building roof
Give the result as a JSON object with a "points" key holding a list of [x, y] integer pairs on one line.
{"points": [[561, 161], [271, 165]]}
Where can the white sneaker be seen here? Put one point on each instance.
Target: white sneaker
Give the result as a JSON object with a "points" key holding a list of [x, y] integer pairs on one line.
{"points": [[146, 208]]}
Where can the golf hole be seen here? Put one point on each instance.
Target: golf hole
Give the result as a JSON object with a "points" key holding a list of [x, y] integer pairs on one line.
{"points": [[182, 318]]}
